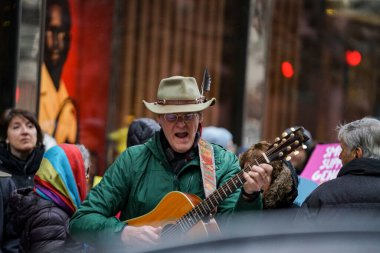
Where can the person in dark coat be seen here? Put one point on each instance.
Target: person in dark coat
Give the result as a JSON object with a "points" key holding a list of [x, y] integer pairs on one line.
{"points": [[40, 215], [141, 130], [21, 146], [357, 184], [7, 242]]}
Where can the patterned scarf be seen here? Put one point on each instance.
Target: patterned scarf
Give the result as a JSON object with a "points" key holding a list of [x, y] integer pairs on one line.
{"points": [[61, 177]]}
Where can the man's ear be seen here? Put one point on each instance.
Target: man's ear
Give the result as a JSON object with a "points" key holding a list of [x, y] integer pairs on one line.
{"points": [[358, 152]]}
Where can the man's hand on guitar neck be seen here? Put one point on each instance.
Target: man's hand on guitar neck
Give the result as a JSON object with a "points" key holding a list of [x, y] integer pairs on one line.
{"points": [[140, 236], [257, 178]]}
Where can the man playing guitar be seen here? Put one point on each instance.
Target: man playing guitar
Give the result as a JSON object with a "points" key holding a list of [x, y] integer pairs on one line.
{"points": [[141, 179]]}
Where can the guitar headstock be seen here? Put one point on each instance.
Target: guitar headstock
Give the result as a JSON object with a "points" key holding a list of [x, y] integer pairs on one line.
{"points": [[288, 143]]}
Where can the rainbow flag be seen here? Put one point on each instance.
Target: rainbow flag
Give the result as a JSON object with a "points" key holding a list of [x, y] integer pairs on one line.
{"points": [[61, 177]]}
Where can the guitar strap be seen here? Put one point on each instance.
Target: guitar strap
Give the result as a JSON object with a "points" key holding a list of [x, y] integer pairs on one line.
{"points": [[207, 161]]}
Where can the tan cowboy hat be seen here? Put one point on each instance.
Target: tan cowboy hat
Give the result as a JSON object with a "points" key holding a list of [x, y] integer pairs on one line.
{"points": [[179, 94]]}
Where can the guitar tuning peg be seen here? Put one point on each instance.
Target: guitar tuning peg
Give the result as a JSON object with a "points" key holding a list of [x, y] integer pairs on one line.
{"points": [[284, 134], [293, 129], [275, 145], [304, 146], [288, 158], [277, 139], [296, 152]]}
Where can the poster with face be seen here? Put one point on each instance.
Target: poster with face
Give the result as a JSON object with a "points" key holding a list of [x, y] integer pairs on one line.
{"points": [[57, 110], [74, 81]]}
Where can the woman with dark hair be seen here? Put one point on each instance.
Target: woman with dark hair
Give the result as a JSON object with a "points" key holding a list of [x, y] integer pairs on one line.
{"points": [[40, 215], [21, 146]]}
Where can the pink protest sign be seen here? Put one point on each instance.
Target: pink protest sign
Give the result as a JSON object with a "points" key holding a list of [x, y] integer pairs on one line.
{"points": [[324, 163]]}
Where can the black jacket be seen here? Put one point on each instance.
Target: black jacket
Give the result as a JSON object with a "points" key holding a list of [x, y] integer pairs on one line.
{"points": [[7, 242], [41, 225], [22, 171], [357, 186]]}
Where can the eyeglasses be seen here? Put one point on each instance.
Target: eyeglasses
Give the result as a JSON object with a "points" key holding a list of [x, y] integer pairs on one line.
{"points": [[173, 117]]}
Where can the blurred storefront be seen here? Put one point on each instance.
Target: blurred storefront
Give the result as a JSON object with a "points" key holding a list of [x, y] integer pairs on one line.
{"points": [[273, 63]]}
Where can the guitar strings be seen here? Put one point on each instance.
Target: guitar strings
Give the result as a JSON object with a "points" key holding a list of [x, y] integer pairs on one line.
{"points": [[180, 223]]}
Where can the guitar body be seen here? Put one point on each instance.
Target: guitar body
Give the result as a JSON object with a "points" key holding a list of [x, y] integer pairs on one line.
{"points": [[171, 208]]}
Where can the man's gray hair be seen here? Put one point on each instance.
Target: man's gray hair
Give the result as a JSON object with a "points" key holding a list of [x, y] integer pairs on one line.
{"points": [[363, 133], [85, 155]]}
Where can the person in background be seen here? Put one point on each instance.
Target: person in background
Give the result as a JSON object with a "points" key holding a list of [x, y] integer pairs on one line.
{"points": [[118, 138], [40, 215], [7, 243], [141, 130], [21, 146], [170, 161], [220, 136], [357, 184], [281, 190]]}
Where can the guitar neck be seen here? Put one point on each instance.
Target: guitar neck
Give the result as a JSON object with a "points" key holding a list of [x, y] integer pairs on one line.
{"points": [[209, 204], [277, 151]]}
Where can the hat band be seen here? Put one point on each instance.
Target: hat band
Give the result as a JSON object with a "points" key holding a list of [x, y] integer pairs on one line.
{"points": [[180, 102]]}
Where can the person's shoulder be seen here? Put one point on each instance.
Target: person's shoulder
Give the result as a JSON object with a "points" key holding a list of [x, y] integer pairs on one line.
{"points": [[137, 152], [222, 155], [50, 213]]}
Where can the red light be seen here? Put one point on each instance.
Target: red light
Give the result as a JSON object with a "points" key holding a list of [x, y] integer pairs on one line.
{"points": [[17, 94], [353, 57], [287, 69]]}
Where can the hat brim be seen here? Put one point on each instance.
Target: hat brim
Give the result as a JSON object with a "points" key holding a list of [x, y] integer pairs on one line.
{"points": [[162, 109]]}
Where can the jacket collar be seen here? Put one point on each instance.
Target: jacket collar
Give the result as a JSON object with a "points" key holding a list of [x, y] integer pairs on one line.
{"points": [[361, 166]]}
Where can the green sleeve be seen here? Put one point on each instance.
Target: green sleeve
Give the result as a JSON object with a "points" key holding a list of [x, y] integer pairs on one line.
{"points": [[95, 219]]}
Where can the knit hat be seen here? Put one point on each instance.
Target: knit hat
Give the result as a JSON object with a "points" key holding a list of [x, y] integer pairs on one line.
{"points": [[141, 130]]}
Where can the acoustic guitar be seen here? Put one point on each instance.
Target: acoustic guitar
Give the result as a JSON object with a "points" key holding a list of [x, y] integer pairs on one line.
{"points": [[183, 214]]}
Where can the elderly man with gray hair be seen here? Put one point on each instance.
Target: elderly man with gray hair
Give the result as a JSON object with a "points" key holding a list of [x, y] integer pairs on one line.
{"points": [[357, 185], [154, 185]]}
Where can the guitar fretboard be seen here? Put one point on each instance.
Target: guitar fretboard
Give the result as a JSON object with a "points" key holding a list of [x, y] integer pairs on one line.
{"points": [[278, 151], [209, 204]]}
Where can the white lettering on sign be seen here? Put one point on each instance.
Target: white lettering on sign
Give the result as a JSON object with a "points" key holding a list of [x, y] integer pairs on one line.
{"points": [[332, 152], [330, 165], [325, 175]]}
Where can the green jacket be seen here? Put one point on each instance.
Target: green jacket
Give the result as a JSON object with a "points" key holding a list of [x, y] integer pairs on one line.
{"points": [[136, 182]]}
